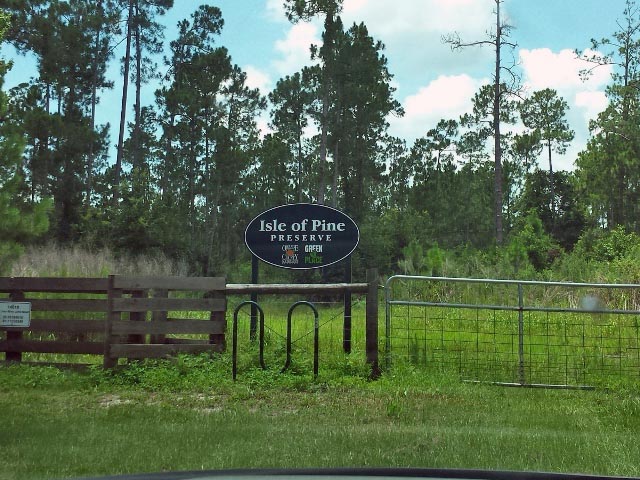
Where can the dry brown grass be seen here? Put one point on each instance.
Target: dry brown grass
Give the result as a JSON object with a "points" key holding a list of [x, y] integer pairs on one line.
{"points": [[74, 261]]}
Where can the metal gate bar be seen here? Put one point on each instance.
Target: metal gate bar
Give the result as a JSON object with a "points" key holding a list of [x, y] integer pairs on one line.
{"points": [[564, 332]]}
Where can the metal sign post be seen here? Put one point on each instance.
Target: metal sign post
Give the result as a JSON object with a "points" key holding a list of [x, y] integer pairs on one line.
{"points": [[346, 334], [255, 267]]}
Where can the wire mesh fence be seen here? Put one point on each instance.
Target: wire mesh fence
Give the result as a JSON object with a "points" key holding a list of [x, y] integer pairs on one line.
{"points": [[515, 332], [331, 321]]}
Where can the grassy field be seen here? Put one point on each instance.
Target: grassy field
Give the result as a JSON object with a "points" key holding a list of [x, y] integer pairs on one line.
{"points": [[186, 414], [564, 340]]}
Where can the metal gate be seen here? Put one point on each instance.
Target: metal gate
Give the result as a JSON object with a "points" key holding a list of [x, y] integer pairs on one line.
{"points": [[515, 332]]}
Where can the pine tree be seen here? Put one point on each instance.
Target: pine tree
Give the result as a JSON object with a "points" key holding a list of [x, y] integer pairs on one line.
{"points": [[500, 90], [19, 219], [305, 10], [544, 112], [609, 169], [363, 99], [292, 101]]}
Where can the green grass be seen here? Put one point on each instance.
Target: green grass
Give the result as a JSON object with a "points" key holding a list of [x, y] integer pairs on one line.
{"points": [[330, 332], [187, 414], [559, 348]]}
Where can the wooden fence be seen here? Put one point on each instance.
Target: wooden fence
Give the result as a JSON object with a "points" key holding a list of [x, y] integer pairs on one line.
{"points": [[129, 296], [121, 305], [75, 335], [128, 317]]}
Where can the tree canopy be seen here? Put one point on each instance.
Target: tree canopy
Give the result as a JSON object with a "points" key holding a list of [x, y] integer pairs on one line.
{"points": [[194, 165]]}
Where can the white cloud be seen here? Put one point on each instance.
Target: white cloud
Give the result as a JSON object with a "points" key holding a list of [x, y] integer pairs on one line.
{"points": [[394, 18], [275, 11], [445, 97], [256, 78], [413, 31], [544, 68], [560, 71], [592, 102], [294, 49], [262, 123], [415, 26], [435, 82]]}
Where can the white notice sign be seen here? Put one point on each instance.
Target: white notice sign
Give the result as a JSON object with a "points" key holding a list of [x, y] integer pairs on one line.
{"points": [[15, 314]]}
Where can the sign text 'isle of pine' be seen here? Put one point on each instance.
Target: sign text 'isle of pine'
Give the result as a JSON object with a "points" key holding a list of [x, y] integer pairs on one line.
{"points": [[302, 236]]}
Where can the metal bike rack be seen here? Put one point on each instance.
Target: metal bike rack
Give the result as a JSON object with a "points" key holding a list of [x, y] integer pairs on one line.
{"points": [[316, 329], [235, 336]]}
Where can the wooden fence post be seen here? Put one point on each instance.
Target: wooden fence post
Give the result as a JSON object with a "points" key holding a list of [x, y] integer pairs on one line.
{"points": [[221, 319], [159, 316], [112, 316], [372, 322], [14, 356], [137, 317]]}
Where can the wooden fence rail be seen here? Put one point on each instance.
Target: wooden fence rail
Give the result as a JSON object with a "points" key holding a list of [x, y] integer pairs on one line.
{"points": [[74, 335], [126, 328], [138, 317]]}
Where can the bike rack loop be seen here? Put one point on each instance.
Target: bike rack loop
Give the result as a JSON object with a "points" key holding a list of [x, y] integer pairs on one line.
{"points": [[235, 336], [316, 340]]}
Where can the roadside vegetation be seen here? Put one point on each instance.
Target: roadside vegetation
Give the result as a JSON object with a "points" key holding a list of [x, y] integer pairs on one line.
{"points": [[186, 414], [599, 256], [193, 169], [474, 196]]}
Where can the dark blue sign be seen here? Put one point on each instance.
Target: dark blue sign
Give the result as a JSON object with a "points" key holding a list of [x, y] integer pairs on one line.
{"points": [[302, 236]]}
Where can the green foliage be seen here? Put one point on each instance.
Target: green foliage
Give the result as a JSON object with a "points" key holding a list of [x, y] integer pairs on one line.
{"points": [[415, 261], [382, 239], [435, 260], [531, 243], [64, 261], [565, 219], [362, 104], [608, 169], [19, 376], [308, 424], [195, 169], [412, 259], [605, 246], [627, 268], [544, 112], [292, 101], [20, 220], [203, 373]]}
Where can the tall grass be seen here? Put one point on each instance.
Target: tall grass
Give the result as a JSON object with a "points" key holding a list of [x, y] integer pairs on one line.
{"points": [[74, 261]]}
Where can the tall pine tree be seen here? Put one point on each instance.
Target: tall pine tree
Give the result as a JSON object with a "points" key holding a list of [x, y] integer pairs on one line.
{"points": [[20, 220]]}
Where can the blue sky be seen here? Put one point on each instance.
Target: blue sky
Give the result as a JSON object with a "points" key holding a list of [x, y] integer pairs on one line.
{"points": [[432, 81]]}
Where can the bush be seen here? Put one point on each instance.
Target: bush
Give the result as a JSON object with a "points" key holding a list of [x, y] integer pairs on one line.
{"points": [[604, 246], [532, 243]]}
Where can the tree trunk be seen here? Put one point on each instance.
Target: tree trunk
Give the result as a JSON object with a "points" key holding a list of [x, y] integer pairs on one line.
{"points": [[299, 162], [552, 189], [496, 136], [334, 182], [327, 78], [323, 146], [94, 95], [137, 154], [336, 149], [123, 110]]}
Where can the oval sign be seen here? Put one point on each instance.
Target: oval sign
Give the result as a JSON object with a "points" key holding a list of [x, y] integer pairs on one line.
{"points": [[302, 236]]}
